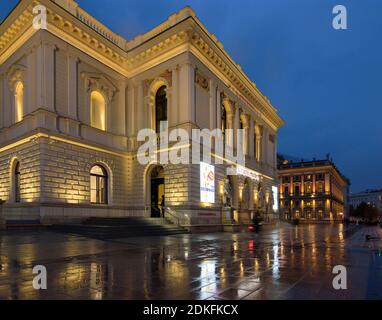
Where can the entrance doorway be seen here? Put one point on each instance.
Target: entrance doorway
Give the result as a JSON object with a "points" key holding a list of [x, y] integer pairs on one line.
{"points": [[157, 192]]}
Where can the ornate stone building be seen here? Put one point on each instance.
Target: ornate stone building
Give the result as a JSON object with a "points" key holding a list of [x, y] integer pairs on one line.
{"points": [[312, 191], [75, 95]]}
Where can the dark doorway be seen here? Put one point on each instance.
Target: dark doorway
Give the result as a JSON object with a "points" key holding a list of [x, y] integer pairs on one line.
{"points": [[157, 191]]}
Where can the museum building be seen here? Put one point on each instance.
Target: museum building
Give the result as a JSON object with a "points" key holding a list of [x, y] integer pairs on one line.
{"points": [[75, 95]]}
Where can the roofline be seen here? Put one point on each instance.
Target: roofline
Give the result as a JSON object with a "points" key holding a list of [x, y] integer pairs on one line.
{"points": [[187, 13]]}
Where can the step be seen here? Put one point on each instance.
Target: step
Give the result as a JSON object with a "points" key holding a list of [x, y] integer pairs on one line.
{"points": [[108, 228]]}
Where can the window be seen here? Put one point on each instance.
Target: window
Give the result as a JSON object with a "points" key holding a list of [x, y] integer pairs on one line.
{"points": [[286, 191], [19, 102], [160, 109], [98, 185], [17, 182], [320, 176], [286, 179], [320, 187], [308, 187], [224, 123], [297, 190], [97, 110]]}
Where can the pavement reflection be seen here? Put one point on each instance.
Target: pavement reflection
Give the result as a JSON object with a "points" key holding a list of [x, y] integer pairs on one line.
{"points": [[283, 262]]}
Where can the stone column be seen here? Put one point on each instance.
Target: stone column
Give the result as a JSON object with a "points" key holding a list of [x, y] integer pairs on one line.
{"points": [[251, 138], [259, 146], [2, 102], [264, 151], [275, 155], [235, 192], [187, 98], [213, 99], [121, 109], [140, 107], [236, 124], [251, 195], [131, 119], [246, 140], [72, 108], [218, 109], [174, 111], [30, 83], [45, 79]]}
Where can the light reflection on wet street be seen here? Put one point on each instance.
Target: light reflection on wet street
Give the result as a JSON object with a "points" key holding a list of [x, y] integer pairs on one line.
{"points": [[284, 262]]}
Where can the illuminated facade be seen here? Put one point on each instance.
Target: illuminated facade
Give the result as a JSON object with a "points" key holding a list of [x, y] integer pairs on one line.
{"points": [[313, 191], [74, 97]]}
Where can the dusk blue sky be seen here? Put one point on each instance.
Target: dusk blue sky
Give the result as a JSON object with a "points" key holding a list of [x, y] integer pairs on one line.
{"points": [[326, 84]]}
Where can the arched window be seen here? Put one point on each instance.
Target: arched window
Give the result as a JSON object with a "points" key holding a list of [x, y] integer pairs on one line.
{"points": [[19, 101], [224, 123], [98, 185], [97, 110], [160, 109], [17, 182], [243, 127], [255, 143]]}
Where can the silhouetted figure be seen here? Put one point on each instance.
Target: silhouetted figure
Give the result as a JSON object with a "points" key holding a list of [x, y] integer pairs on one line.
{"points": [[162, 205]]}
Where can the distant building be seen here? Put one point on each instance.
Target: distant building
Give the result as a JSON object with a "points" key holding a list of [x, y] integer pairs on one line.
{"points": [[312, 191], [370, 197]]}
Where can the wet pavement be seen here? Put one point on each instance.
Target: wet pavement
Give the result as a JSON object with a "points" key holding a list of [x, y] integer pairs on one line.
{"points": [[284, 262]]}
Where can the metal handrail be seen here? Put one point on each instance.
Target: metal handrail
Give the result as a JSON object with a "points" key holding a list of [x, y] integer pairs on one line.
{"points": [[173, 214]]}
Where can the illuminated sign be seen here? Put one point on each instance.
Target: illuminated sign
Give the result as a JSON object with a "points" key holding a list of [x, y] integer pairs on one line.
{"points": [[207, 183], [275, 193], [247, 173]]}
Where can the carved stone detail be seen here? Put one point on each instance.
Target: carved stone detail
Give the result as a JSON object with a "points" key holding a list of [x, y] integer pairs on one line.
{"points": [[202, 81], [98, 82]]}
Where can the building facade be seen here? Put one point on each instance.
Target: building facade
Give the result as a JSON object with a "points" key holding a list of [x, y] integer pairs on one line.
{"points": [[74, 97], [370, 197], [312, 191]]}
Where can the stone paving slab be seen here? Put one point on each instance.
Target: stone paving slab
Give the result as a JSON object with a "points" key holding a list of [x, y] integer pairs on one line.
{"points": [[281, 262]]}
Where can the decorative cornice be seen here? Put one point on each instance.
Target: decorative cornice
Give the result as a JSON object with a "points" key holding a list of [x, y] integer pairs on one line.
{"points": [[252, 95], [82, 31], [17, 28], [78, 31]]}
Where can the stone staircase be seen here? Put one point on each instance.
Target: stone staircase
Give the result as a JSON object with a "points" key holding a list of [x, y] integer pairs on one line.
{"points": [[114, 228]]}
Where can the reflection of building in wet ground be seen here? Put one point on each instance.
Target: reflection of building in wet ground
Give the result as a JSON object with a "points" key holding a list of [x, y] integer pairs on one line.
{"points": [[279, 263]]}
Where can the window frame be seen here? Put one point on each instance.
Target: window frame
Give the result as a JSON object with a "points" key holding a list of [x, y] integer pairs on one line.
{"points": [[17, 182], [102, 181]]}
